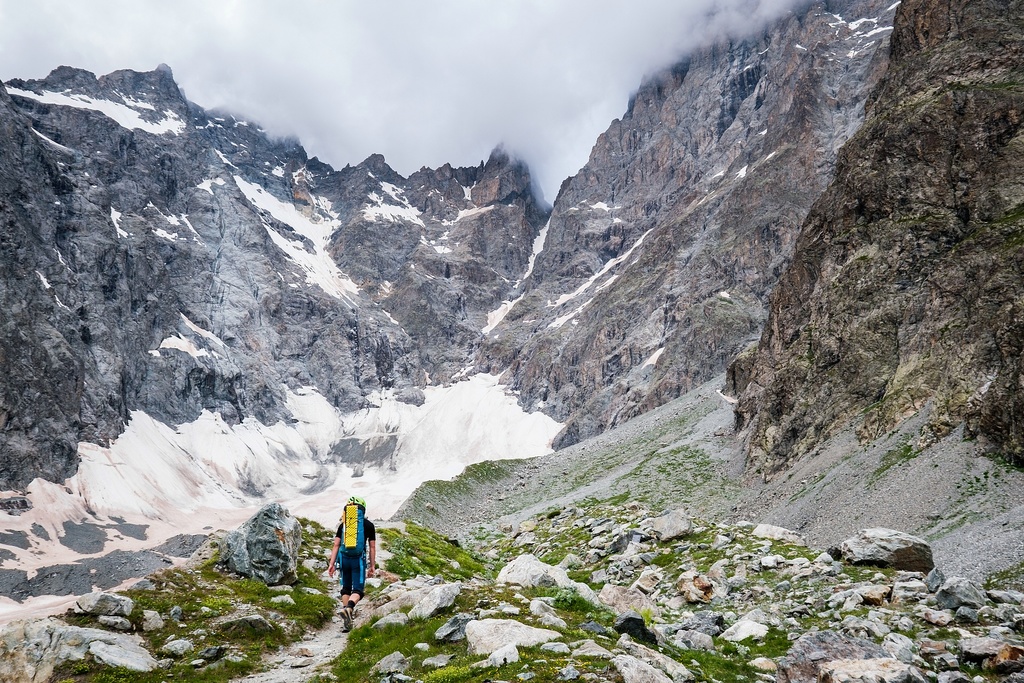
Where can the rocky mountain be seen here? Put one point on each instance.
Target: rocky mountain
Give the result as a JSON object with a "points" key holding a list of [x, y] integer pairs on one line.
{"points": [[661, 252], [904, 294], [164, 259]]}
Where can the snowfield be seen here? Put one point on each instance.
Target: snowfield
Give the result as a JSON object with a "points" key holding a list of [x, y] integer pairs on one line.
{"points": [[207, 474]]}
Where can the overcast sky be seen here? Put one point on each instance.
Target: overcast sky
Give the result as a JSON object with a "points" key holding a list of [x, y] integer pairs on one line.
{"points": [[422, 82]]}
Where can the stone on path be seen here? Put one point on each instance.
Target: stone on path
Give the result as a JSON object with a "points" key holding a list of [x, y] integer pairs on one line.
{"points": [[265, 547], [888, 548], [393, 619]]}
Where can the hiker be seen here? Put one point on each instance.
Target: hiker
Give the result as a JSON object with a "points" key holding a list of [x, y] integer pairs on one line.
{"points": [[355, 536]]}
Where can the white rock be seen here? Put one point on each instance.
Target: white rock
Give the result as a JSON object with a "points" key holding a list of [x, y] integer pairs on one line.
{"points": [[622, 599], [30, 650], [778, 533], [487, 635], [109, 604], [879, 670], [151, 620], [588, 648], [671, 525], [744, 629], [393, 619], [633, 670], [437, 600], [507, 654], [558, 648]]}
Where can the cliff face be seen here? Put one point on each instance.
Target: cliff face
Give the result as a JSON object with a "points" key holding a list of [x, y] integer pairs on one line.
{"points": [[660, 253], [906, 287], [165, 259]]}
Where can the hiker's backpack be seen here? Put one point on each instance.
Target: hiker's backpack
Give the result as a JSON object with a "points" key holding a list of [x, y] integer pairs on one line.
{"points": [[354, 533]]}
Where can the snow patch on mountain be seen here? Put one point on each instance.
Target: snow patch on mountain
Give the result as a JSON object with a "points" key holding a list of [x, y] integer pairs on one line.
{"points": [[319, 266], [123, 115]]}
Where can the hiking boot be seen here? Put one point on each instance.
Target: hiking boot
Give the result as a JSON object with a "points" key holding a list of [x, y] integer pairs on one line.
{"points": [[346, 618]]}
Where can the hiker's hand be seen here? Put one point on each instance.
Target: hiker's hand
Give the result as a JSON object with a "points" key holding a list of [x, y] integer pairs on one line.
{"points": [[330, 570], [369, 571]]}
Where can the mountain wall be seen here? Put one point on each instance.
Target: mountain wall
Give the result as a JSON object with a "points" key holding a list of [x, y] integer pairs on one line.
{"points": [[165, 259], [905, 290], [660, 254]]}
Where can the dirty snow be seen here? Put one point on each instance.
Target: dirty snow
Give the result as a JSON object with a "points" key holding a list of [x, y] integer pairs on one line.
{"points": [[653, 359], [599, 274], [202, 474]]}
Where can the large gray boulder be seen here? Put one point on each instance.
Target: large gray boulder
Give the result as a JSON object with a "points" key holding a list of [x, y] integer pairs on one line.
{"points": [[436, 601], [265, 547], [671, 524], [633, 670], [31, 650], [957, 592], [812, 651], [888, 548]]}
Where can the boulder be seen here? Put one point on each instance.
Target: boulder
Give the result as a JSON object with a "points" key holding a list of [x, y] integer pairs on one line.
{"points": [[454, 629], [151, 620], [622, 599], [487, 635], [436, 601], [507, 654], [177, 648], [633, 625], [711, 623], [888, 548], [743, 629], [108, 604], [118, 623], [529, 572], [697, 588], [394, 663], [265, 547], [811, 651], [437, 661], [633, 670], [672, 668], [588, 648], [671, 525], [957, 592], [250, 623], [778, 533], [31, 650], [393, 619], [884, 670]]}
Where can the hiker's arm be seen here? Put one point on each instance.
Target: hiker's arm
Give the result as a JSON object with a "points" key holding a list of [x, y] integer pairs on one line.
{"points": [[373, 558], [334, 556]]}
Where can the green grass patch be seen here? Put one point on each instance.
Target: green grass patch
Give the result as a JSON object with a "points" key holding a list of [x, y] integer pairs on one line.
{"points": [[205, 596], [421, 551], [1010, 578], [893, 458]]}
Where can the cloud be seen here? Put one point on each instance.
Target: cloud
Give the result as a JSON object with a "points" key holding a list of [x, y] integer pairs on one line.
{"points": [[423, 83]]}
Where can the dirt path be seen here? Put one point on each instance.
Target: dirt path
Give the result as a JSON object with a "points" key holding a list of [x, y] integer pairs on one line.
{"points": [[301, 661]]}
